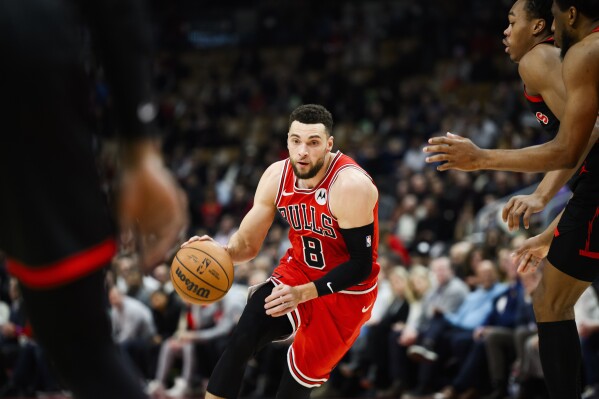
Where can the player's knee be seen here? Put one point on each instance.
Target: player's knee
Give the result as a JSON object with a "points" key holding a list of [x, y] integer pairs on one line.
{"points": [[550, 306], [244, 342]]}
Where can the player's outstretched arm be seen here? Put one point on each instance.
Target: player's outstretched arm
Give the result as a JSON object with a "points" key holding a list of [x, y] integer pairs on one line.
{"points": [[460, 153], [562, 152]]}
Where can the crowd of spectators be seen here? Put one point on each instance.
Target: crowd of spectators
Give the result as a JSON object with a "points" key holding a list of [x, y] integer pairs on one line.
{"points": [[452, 318]]}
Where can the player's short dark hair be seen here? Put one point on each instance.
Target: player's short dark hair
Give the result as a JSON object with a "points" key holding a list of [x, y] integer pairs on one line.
{"points": [[588, 8], [312, 113], [540, 9]]}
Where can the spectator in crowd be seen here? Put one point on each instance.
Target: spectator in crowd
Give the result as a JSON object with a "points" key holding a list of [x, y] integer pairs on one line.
{"points": [[451, 333], [166, 309], [24, 366], [133, 328], [202, 334], [401, 336], [445, 297], [492, 343]]}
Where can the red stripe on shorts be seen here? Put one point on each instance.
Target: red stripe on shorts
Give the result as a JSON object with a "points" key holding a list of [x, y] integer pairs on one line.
{"points": [[298, 375], [63, 271]]}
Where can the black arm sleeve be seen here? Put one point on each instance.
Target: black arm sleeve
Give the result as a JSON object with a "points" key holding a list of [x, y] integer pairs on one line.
{"points": [[121, 33], [357, 268]]}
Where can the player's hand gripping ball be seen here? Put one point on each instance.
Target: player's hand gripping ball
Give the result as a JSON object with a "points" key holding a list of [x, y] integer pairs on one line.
{"points": [[202, 272]]}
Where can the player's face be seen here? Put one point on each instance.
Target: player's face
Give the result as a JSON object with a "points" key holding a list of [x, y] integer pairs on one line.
{"points": [[519, 33], [563, 39], [308, 146]]}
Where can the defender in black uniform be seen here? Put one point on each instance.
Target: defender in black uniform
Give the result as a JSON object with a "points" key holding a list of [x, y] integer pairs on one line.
{"points": [[55, 226], [573, 257]]}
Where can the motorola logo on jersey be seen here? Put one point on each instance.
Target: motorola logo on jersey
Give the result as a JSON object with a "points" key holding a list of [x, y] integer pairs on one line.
{"points": [[544, 119], [300, 218], [321, 196]]}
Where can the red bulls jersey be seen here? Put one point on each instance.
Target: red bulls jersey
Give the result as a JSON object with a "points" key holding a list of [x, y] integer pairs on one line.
{"points": [[317, 245]]}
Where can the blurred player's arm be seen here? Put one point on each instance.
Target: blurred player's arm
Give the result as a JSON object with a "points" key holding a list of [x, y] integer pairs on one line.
{"points": [[150, 201]]}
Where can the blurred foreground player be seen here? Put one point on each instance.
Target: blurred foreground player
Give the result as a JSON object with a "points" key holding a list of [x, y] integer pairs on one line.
{"points": [[55, 225]]}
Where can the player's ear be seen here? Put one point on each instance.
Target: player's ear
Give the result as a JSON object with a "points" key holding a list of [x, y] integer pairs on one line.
{"points": [[572, 15], [330, 143], [539, 26]]}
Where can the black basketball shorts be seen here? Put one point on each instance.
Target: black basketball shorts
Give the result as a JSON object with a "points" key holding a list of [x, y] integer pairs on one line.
{"points": [[575, 246]]}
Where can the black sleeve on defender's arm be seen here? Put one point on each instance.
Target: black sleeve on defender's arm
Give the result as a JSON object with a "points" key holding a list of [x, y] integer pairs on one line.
{"points": [[357, 268]]}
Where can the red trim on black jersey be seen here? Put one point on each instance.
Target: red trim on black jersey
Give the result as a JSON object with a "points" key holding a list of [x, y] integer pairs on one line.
{"points": [[63, 271], [596, 29], [586, 252], [533, 99], [549, 40]]}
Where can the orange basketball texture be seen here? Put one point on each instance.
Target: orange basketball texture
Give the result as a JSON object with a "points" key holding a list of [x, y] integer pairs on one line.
{"points": [[202, 272]]}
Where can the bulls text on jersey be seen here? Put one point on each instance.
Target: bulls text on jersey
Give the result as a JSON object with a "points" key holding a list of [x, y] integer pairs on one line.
{"points": [[300, 218]]}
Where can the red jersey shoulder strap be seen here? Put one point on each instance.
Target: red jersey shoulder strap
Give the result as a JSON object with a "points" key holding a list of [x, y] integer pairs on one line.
{"points": [[283, 180]]}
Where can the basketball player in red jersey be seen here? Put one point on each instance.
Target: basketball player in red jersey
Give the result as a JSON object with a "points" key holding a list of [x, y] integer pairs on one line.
{"points": [[572, 252], [325, 285]]}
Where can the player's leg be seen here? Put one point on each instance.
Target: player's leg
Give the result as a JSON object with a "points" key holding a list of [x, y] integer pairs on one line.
{"points": [[570, 267], [82, 350], [559, 345], [290, 388], [254, 330]]}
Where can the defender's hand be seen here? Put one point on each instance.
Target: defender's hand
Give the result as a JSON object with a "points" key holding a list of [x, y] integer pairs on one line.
{"points": [[521, 205], [531, 253], [457, 152]]}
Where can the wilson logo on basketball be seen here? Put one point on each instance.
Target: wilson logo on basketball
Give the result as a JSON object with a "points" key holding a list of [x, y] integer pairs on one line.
{"points": [[544, 119], [203, 266], [191, 286]]}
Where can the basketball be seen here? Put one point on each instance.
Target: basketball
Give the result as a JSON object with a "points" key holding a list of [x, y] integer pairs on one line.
{"points": [[202, 272]]}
